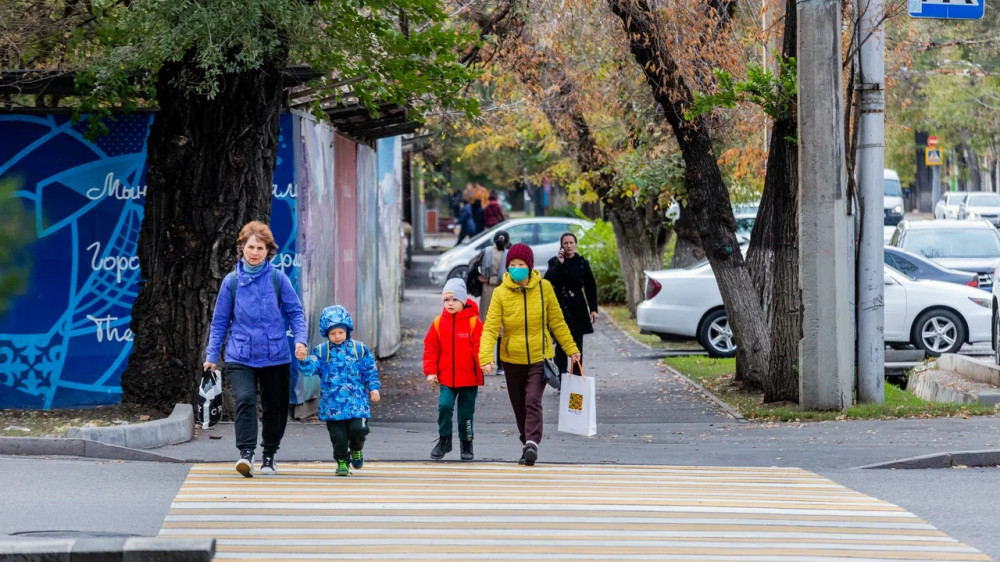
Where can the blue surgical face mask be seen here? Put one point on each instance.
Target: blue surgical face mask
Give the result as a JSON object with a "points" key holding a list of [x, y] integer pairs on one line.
{"points": [[518, 274]]}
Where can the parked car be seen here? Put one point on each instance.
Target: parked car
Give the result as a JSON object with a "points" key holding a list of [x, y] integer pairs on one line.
{"points": [[984, 206], [947, 206], [893, 197], [919, 267], [934, 316], [887, 232], [541, 233], [966, 245]]}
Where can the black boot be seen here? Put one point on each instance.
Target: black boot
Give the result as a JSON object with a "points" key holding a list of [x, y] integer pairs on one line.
{"points": [[443, 446], [466, 450]]}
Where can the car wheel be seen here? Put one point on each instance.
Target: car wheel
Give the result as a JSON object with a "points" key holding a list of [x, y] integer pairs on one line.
{"points": [[459, 272], [716, 336], [938, 331]]}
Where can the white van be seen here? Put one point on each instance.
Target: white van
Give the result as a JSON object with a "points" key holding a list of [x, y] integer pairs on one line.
{"points": [[893, 197]]}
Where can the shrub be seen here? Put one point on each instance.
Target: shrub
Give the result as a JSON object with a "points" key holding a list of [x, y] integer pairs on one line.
{"points": [[601, 250]]}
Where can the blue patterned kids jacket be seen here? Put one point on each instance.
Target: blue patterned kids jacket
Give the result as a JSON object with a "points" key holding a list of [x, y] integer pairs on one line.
{"points": [[348, 372]]}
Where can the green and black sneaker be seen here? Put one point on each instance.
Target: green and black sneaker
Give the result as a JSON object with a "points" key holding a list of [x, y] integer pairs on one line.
{"points": [[342, 468], [357, 459]]}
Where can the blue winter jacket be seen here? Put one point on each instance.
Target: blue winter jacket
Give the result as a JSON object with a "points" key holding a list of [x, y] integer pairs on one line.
{"points": [[347, 374], [465, 219], [256, 327]]}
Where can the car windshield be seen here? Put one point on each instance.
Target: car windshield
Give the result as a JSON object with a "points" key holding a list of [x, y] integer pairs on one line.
{"points": [[983, 200], [955, 199], [953, 243], [892, 188]]}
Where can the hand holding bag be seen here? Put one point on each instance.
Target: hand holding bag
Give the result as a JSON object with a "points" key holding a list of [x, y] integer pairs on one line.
{"points": [[209, 399], [578, 404]]}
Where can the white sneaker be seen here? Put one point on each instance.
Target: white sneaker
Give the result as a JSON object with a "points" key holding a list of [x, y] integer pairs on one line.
{"points": [[245, 465]]}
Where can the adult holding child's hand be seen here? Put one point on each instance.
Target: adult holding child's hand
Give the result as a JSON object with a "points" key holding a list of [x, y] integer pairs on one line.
{"points": [[256, 303]]}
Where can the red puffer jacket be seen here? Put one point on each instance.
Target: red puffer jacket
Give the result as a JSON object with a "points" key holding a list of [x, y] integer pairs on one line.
{"points": [[451, 347]]}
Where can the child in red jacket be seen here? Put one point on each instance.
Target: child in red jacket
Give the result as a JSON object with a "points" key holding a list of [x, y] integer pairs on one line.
{"points": [[451, 360]]}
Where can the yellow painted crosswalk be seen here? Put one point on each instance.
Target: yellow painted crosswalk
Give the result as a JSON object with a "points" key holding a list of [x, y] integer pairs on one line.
{"points": [[493, 511]]}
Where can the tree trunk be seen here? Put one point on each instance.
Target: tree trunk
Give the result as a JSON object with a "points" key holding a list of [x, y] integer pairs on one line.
{"points": [[636, 254], [687, 250], [773, 256], [708, 198], [211, 166]]}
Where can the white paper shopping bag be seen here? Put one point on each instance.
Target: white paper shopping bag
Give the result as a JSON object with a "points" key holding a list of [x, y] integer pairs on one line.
{"points": [[578, 405]]}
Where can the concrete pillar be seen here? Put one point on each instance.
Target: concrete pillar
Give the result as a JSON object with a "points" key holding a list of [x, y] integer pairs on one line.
{"points": [[827, 345]]}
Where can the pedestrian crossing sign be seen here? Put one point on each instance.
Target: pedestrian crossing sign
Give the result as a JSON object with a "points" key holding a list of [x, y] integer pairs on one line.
{"points": [[947, 9], [932, 156]]}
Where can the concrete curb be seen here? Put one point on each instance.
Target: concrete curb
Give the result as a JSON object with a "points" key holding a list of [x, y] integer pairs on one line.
{"points": [[177, 428], [56, 446], [726, 407], [942, 460], [131, 549]]}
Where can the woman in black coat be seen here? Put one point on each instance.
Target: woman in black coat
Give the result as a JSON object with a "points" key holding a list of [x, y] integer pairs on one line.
{"points": [[574, 284]]}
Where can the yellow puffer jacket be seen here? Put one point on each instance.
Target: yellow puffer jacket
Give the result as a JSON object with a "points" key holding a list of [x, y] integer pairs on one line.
{"points": [[519, 311]]}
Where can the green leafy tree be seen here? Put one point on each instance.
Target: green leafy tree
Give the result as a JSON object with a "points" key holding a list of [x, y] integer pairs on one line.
{"points": [[215, 69]]}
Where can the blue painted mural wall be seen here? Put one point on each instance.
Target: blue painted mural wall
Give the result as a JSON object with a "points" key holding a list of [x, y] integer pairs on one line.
{"points": [[66, 341]]}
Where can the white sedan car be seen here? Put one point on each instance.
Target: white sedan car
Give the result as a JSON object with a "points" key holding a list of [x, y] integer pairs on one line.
{"points": [[947, 206], [541, 233], [935, 316]]}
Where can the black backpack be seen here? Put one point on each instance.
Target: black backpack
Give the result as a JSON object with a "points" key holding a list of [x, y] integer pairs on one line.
{"points": [[473, 285]]}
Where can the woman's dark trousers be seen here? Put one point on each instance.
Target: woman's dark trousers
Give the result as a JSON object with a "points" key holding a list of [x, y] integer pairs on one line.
{"points": [[273, 385], [525, 384]]}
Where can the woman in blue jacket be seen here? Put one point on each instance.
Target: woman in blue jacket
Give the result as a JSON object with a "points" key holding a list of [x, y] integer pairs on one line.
{"points": [[256, 303]]}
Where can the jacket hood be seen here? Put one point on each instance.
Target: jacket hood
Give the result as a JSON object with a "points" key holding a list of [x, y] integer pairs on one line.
{"points": [[534, 278], [333, 315]]}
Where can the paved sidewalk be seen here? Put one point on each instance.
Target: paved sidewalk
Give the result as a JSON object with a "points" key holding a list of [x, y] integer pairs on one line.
{"points": [[645, 416]]}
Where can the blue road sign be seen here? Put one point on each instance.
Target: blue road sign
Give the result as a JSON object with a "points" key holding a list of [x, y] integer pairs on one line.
{"points": [[946, 9]]}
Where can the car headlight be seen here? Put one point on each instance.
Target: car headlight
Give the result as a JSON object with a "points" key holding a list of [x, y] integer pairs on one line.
{"points": [[898, 210], [985, 303]]}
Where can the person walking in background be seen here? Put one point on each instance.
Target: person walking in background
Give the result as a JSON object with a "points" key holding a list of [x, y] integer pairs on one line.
{"points": [[469, 194], [349, 378], [455, 202], [525, 308], [492, 270], [451, 361], [465, 224], [477, 215], [574, 285], [481, 193], [493, 213], [256, 303], [546, 194]]}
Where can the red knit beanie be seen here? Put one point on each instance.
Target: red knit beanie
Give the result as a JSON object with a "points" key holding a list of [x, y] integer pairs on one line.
{"points": [[523, 252]]}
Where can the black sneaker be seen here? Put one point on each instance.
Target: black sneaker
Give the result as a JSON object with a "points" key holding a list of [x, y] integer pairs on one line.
{"points": [[267, 465], [466, 447], [245, 465], [530, 455], [521, 460], [443, 447]]}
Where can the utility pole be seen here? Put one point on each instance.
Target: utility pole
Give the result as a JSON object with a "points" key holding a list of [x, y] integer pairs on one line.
{"points": [[871, 164], [826, 349]]}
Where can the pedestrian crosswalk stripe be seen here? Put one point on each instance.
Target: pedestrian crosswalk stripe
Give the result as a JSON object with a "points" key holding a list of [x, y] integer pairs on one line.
{"points": [[482, 511]]}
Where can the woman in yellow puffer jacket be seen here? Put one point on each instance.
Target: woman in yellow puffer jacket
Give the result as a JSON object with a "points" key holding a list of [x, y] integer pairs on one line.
{"points": [[517, 308]]}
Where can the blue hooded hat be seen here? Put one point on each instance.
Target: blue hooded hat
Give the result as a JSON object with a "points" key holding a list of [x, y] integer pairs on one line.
{"points": [[335, 317]]}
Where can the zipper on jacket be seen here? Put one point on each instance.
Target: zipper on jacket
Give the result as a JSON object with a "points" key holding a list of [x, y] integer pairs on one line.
{"points": [[527, 342]]}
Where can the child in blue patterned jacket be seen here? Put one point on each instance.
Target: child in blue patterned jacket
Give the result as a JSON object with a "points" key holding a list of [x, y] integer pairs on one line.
{"points": [[349, 379]]}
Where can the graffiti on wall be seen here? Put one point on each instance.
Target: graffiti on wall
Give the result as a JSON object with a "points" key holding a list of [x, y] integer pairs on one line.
{"points": [[65, 342]]}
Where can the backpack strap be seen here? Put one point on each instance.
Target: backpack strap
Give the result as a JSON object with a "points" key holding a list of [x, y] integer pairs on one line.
{"points": [[437, 324], [327, 352], [277, 286], [355, 344]]}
